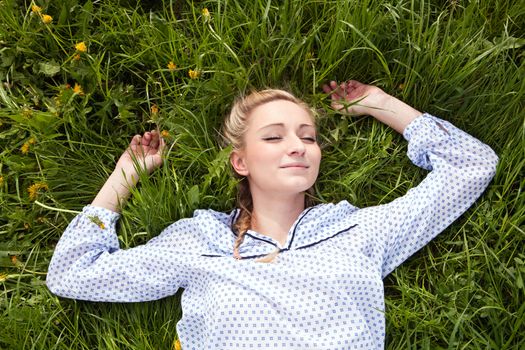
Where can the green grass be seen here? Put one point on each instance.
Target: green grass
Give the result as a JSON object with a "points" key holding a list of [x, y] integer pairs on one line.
{"points": [[460, 60]]}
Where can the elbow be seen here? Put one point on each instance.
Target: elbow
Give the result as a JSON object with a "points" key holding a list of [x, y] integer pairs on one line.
{"points": [[53, 287], [58, 280], [492, 164], [485, 170], [53, 283]]}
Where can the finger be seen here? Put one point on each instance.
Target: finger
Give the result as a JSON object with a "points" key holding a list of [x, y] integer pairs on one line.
{"points": [[135, 140], [336, 97], [327, 89], [154, 143], [343, 89], [146, 139], [162, 145], [334, 85], [349, 88], [354, 84], [133, 149]]}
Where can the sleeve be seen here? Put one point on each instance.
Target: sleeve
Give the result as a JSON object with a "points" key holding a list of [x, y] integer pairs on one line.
{"points": [[461, 167], [89, 265]]}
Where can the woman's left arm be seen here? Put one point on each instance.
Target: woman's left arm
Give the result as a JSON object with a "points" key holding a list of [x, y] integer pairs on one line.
{"points": [[461, 167], [355, 98]]}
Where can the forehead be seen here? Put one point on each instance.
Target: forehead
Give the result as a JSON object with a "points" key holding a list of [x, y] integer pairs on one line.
{"points": [[279, 112]]}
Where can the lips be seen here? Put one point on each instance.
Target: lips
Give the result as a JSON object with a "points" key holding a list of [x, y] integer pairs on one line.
{"points": [[295, 165]]}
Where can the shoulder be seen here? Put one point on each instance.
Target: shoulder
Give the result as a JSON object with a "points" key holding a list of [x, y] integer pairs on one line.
{"points": [[206, 229], [324, 221], [214, 217]]}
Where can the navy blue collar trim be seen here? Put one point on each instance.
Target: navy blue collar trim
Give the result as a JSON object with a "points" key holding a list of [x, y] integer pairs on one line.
{"points": [[327, 238], [234, 218], [284, 249], [296, 225], [261, 239]]}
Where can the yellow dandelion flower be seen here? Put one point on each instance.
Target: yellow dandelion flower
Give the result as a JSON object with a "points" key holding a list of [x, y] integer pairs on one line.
{"points": [[205, 13], [27, 112], [34, 188], [47, 19], [32, 141], [15, 261], [172, 66], [165, 133], [25, 148], [194, 74], [81, 47], [36, 9], [3, 277], [33, 191], [154, 109], [176, 345], [1, 181], [77, 89], [76, 57]]}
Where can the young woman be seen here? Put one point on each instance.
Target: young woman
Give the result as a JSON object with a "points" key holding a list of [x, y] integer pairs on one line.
{"points": [[323, 288]]}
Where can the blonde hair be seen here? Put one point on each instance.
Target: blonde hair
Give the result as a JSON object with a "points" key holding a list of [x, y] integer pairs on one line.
{"points": [[233, 131]]}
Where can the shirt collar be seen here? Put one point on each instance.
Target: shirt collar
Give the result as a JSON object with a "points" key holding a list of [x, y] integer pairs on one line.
{"points": [[314, 225]]}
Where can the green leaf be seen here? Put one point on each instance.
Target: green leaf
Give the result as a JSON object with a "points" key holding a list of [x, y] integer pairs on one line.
{"points": [[49, 68], [193, 195]]}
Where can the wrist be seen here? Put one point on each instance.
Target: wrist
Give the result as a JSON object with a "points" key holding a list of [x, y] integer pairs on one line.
{"points": [[115, 190], [395, 113], [125, 175], [379, 103]]}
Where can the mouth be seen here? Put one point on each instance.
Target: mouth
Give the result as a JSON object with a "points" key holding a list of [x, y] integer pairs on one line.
{"points": [[295, 165]]}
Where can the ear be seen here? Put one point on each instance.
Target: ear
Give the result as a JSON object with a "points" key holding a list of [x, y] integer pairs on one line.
{"points": [[238, 164]]}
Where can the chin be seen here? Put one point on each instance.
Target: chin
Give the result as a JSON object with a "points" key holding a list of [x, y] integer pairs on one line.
{"points": [[299, 187]]}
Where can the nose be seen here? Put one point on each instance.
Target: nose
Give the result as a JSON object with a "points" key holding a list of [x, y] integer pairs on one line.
{"points": [[296, 146]]}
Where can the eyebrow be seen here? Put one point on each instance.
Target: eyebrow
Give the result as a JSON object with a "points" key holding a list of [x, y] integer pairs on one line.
{"points": [[282, 125]]}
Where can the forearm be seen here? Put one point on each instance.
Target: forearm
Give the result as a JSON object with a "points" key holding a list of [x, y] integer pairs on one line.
{"points": [[115, 190], [393, 112]]}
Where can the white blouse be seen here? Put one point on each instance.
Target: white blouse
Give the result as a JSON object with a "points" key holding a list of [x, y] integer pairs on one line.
{"points": [[325, 288]]}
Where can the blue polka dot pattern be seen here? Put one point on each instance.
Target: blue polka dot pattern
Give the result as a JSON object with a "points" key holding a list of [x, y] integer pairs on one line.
{"points": [[325, 289]]}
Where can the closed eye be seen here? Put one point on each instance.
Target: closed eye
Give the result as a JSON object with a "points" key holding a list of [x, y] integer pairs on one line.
{"points": [[272, 138], [309, 139]]}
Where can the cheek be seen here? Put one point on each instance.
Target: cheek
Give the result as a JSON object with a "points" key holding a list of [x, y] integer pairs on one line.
{"points": [[316, 156], [262, 154]]}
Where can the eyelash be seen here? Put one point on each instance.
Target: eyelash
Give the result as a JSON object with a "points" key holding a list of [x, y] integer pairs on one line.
{"points": [[272, 138], [275, 138]]}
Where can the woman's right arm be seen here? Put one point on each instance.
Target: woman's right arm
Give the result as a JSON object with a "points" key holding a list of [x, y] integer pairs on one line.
{"points": [[143, 154], [88, 263]]}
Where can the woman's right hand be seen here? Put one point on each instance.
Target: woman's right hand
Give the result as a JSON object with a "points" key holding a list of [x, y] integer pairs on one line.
{"points": [[144, 151], [143, 154]]}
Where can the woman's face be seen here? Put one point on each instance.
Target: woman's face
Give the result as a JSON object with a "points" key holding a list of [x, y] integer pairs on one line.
{"points": [[280, 155]]}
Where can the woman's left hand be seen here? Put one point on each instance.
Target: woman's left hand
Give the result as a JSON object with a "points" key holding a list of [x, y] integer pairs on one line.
{"points": [[355, 98]]}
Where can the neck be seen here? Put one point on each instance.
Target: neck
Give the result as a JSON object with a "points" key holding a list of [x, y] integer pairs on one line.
{"points": [[273, 216]]}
